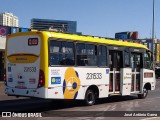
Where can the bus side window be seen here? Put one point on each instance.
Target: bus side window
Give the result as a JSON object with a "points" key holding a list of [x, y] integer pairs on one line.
{"points": [[102, 56], [91, 55], [61, 53], [86, 54], [54, 48], [81, 54], [67, 50]]}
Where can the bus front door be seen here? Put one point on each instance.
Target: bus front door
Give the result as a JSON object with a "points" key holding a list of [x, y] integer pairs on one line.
{"points": [[115, 63]]}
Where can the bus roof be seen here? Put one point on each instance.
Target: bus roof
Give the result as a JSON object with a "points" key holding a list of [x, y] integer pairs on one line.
{"points": [[82, 38]]}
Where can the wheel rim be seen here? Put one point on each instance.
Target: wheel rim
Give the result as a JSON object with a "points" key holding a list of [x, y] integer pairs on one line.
{"points": [[144, 92], [90, 98]]}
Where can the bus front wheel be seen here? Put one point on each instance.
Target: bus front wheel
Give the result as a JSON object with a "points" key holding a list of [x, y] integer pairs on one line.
{"points": [[90, 97], [144, 94]]}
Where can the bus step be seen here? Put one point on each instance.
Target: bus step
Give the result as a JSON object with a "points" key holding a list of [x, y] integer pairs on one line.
{"points": [[115, 94]]}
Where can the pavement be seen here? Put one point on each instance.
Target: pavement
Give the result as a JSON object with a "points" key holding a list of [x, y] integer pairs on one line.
{"points": [[1, 83], [2, 88]]}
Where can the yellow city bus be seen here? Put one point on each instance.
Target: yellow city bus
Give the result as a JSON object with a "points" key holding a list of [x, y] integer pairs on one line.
{"points": [[56, 65]]}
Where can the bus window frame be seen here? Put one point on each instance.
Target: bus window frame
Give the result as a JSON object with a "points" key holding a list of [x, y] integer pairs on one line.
{"points": [[151, 60], [86, 43], [108, 47], [137, 50], [140, 51], [60, 40], [107, 56], [141, 60], [116, 48]]}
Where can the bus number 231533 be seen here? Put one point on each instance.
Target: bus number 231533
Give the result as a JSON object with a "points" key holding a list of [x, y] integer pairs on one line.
{"points": [[90, 76]]}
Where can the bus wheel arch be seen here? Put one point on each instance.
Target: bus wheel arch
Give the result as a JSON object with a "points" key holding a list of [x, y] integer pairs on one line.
{"points": [[146, 87], [92, 93]]}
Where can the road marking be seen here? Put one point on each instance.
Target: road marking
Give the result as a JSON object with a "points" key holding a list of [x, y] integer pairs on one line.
{"points": [[99, 118], [114, 107], [106, 109], [149, 118]]}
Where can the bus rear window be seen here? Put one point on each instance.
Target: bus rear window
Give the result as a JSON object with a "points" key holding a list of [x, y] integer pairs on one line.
{"points": [[61, 53]]}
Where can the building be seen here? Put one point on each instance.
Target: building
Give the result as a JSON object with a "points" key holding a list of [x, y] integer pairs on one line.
{"points": [[4, 31], [58, 25], [127, 35], [8, 19]]}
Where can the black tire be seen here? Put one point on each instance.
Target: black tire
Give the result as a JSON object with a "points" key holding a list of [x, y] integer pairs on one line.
{"points": [[144, 94], [90, 98]]}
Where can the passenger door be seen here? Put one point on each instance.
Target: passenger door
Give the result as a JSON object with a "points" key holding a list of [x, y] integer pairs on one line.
{"points": [[137, 65], [115, 65], [126, 73]]}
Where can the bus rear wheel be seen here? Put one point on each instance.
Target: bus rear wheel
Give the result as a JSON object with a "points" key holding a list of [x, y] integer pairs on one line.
{"points": [[144, 94], [90, 98]]}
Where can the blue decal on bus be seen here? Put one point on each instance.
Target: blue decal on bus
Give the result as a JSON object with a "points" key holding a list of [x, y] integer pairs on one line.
{"points": [[64, 86], [9, 69], [10, 79], [107, 71], [55, 80], [75, 96]]}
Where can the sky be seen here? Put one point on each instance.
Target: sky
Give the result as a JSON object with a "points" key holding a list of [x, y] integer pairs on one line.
{"points": [[94, 17]]}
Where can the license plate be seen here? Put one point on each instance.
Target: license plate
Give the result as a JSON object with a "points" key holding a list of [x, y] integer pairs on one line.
{"points": [[21, 85]]}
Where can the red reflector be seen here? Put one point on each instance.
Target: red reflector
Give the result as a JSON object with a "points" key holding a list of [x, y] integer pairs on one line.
{"points": [[137, 86], [117, 88], [110, 87], [41, 79], [4, 77]]}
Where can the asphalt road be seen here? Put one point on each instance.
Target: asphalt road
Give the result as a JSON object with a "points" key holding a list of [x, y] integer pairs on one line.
{"points": [[112, 107]]}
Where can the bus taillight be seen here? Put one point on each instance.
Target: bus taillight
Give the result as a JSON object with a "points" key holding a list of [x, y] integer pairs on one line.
{"points": [[41, 79], [4, 77]]}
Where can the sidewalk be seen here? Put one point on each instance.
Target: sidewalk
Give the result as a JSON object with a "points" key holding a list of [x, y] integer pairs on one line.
{"points": [[1, 83]]}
